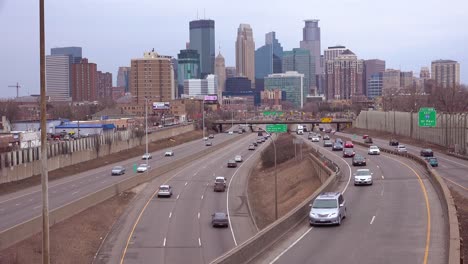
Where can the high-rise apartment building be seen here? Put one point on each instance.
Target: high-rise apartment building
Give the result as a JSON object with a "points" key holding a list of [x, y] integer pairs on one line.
{"points": [[245, 52], [300, 60], [58, 78], [84, 81], [395, 81], [345, 77], [231, 72], [268, 58], [291, 83], [406, 79], [202, 39], [75, 53], [123, 78], [220, 72], [152, 77], [446, 73], [188, 62], [104, 84], [311, 41], [372, 67], [332, 52], [374, 85], [425, 73], [207, 86]]}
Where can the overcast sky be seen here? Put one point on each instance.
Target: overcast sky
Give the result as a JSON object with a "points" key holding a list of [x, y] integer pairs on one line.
{"points": [[407, 34]]}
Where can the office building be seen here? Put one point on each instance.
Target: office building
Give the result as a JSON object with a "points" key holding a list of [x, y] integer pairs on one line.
{"points": [[394, 81], [75, 53], [188, 67], [332, 52], [58, 78], [406, 79], [104, 84], [374, 85], [372, 67], [231, 72], [268, 58], [202, 39], [220, 72], [446, 73], [152, 77], [311, 42], [123, 78], [84, 81], [196, 87], [245, 52], [300, 60], [425, 73], [345, 77], [237, 84], [291, 83]]}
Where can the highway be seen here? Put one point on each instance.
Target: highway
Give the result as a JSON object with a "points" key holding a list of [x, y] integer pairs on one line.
{"points": [[178, 229], [396, 220], [452, 169], [21, 206]]}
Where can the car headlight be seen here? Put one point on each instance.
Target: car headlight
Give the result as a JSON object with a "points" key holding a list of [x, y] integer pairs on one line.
{"points": [[313, 214], [332, 215]]}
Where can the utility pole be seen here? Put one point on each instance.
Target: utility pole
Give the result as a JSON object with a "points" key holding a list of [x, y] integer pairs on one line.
{"points": [[146, 128], [17, 86], [44, 169]]}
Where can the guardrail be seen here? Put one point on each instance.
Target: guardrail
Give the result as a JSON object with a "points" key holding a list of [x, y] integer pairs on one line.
{"points": [[30, 227], [257, 244], [448, 205]]}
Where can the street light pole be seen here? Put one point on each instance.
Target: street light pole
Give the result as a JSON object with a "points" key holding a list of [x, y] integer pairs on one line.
{"points": [[203, 117], [276, 177], [146, 128]]}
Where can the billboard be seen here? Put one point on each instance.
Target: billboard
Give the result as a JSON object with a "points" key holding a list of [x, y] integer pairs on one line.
{"points": [[161, 106], [211, 99]]}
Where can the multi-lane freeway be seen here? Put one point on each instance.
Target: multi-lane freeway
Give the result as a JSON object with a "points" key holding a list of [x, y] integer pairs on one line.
{"points": [[396, 220], [21, 206]]}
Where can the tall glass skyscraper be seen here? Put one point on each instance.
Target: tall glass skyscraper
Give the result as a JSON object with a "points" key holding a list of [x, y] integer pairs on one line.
{"points": [[300, 60], [374, 85], [188, 67], [202, 39], [291, 83], [268, 58]]}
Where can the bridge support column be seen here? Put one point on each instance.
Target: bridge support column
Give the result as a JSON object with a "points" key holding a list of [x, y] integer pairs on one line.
{"points": [[220, 128], [337, 127]]}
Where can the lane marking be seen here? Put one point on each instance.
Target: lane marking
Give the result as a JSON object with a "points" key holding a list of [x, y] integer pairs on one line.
{"points": [[75, 192], [186, 183], [198, 215], [170, 214], [178, 197], [18, 204], [202, 197], [290, 246], [466, 189], [199, 242], [164, 243], [383, 177], [372, 221]]}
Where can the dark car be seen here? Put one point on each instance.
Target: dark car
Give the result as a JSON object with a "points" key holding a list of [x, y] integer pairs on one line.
{"points": [[427, 153], [393, 142], [232, 164], [368, 140], [337, 146], [348, 152], [255, 144], [359, 160], [219, 219], [433, 161], [118, 170]]}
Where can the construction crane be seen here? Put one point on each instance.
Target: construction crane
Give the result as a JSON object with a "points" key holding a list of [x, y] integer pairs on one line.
{"points": [[17, 88]]}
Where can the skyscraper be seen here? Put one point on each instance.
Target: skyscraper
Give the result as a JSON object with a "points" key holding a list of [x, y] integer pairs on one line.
{"points": [[300, 60], [291, 83], [345, 77], [202, 39], [207, 86], [245, 52], [123, 78], [374, 85], [84, 81], [104, 84], [188, 62], [152, 77], [311, 41], [268, 58], [75, 53], [220, 71], [446, 73], [332, 52], [230, 72], [390, 81], [372, 67], [425, 74], [58, 78]]}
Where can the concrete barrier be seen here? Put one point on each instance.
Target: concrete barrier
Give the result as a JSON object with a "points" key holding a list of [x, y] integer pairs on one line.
{"points": [[448, 204], [255, 245], [30, 227]]}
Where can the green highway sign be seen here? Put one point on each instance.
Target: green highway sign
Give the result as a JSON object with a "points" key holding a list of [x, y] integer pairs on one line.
{"points": [[278, 128], [427, 117], [272, 113]]}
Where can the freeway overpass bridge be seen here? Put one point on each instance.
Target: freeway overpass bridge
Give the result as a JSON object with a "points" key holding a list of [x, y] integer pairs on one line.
{"points": [[335, 122]]}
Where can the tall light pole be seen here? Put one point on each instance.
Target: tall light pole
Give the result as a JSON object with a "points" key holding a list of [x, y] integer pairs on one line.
{"points": [[276, 177], [146, 129], [203, 117], [44, 169]]}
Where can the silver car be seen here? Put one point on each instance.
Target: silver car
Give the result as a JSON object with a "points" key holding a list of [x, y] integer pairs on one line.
{"points": [[363, 177], [165, 191], [118, 170], [327, 209]]}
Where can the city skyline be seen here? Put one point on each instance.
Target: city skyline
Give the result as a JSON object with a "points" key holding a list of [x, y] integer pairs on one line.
{"points": [[397, 34]]}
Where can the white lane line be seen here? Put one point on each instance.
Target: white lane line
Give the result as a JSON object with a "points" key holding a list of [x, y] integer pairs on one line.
{"points": [[178, 197], [170, 214], [383, 177], [378, 166], [37, 207], [195, 174], [290, 246], [75, 192], [164, 242], [186, 183], [198, 215], [202, 197], [372, 221], [199, 242], [18, 204], [103, 182]]}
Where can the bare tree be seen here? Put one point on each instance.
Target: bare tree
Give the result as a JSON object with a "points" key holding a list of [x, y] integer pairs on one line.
{"points": [[10, 109], [450, 99]]}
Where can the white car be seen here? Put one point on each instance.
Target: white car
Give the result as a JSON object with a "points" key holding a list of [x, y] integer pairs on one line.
{"points": [[315, 139], [373, 150], [143, 167], [169, 153], [146, 156], [220, 180], [230, 133], [238, 158], [165, 190], [363, 177], [401, 149], [205, 138]]}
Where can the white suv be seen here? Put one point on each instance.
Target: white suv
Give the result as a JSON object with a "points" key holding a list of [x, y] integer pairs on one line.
{"points": [[374, 150], [401, 149]]}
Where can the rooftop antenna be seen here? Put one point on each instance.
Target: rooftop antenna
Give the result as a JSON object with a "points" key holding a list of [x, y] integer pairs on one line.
{"points": [[17, 86]]}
